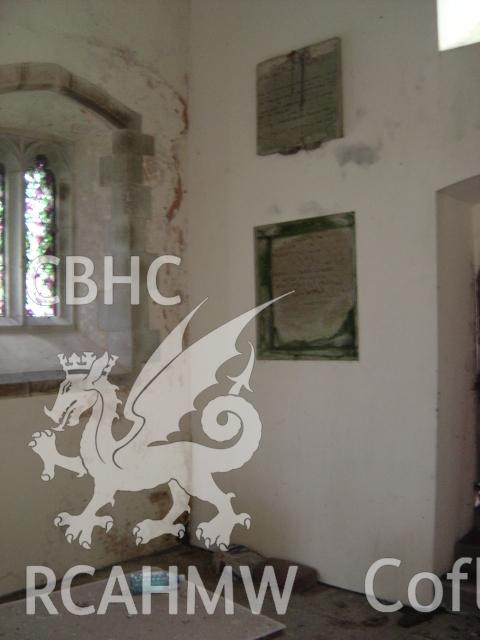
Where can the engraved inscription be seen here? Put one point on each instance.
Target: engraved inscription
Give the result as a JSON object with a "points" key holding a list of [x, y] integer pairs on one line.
{"points": [[319, 267], [299, 99]]}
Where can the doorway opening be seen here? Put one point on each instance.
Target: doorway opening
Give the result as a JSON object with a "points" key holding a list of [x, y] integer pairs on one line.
{"points": [[458, 449]]}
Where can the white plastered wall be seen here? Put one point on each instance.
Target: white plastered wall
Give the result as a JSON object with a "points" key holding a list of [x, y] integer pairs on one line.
{"points": [[347, 468]]}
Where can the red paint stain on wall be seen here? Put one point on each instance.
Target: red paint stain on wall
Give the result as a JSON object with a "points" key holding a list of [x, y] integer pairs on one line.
{"points": [[177, 200]]}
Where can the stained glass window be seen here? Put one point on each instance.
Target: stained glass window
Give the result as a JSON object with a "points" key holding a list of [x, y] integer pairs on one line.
{"points": [[40, 237], [2, 241]]}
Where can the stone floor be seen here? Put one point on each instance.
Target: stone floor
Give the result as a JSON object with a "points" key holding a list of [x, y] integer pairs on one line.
{"points": [[322, 613]]}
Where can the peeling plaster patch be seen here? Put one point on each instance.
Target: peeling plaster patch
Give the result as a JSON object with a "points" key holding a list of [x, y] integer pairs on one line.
{"points": [[127, 56], [123, 57], [184, 116], [178, 232], [153, 171], [359, 153], [160, 498], [130, 58], [118, 544], [177, 199]]}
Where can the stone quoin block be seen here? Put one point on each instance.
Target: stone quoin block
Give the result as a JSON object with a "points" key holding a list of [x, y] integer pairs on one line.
{"points": [[133, 142]]}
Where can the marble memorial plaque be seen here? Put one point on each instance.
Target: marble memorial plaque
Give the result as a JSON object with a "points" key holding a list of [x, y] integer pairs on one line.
{"points": [[299, 99], [315, 258]]}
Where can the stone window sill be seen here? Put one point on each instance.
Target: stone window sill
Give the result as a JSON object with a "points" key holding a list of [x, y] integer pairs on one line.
{"points": [[29, 364]]}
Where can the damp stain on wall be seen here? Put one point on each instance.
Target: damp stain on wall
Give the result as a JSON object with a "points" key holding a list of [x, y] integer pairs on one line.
{"points": [[359, 153]]}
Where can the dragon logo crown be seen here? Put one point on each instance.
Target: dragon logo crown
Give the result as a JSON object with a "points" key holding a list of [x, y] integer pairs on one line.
{"points": [[77, 364]]}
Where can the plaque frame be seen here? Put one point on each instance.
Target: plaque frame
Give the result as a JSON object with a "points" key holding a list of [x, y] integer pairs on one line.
{"points": [[341, 346]]}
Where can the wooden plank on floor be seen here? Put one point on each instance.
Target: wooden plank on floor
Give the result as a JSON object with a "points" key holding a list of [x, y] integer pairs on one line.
{"points": [[117, 624]]}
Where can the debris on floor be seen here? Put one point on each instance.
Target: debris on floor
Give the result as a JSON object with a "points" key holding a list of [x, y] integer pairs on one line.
{"points": [[239, 555], [412, 618], [159, 581], [321, 613], [305, 578]]}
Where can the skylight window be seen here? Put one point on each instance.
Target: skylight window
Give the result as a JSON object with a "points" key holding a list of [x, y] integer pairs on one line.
{"points": [[458, 23]]}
